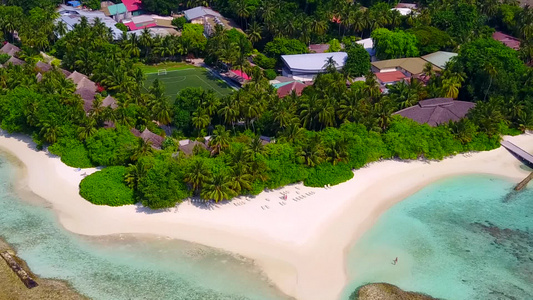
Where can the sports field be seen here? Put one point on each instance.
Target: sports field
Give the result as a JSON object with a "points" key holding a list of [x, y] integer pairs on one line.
{"points": [[177, 80]]}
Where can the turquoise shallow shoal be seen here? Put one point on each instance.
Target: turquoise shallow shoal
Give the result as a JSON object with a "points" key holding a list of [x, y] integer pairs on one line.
{"points": [[468, 237], [124, 267]]}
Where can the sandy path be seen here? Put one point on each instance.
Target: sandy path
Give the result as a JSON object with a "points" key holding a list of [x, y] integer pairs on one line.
{"points": [[301, 245]]}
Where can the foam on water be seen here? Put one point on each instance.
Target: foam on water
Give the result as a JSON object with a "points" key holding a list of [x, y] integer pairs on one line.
{"points": [[124, 267], [468, 237]]}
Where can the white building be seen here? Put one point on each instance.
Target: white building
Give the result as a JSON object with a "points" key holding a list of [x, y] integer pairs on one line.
{"points": [[305, 67], [72, 16]]}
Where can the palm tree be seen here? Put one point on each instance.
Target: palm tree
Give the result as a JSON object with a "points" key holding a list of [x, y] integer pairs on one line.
{"points": [[49, 132], [60, 29], [331, 65], [200, 119], [220, 139], [451, 83], [337, 151], [134, 174], [197, 174], [240, 178], [87, 130], [143, 149], [311, 152], [254, 32], [491, 71], [218, 188]]}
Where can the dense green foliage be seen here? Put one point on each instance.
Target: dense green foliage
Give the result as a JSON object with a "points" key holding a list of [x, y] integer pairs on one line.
{"points": [[320, 136], [358, 61], [394, 44], [107, 187]]}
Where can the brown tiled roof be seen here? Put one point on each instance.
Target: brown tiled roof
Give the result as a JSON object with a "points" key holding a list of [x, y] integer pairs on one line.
{"points": [[65, 72], [437, 111], [288, 88], [188, 148], [413, 65], [10, 49], [318, 48], [509, 41], [87, 90], [390, 77], [406, 5], [109, 102]]}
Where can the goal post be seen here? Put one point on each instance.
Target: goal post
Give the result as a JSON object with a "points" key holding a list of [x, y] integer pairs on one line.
{"points": [[162, 72]]}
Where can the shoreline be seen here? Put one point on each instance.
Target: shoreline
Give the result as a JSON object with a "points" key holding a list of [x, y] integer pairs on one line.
{"points": [[13, 288], [301, 246]]}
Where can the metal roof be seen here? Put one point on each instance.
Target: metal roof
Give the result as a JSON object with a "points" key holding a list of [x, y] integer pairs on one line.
{"points": [[368, 44], [200, 11], [313, 62], [72, 16], [117, 9], [439, 58], [413, 65]]}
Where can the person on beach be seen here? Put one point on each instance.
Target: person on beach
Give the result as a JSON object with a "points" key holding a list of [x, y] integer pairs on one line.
{"points": [[395, 261]]}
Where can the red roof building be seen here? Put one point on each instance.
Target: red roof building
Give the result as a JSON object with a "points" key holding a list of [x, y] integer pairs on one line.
{"points": [[507, 40], [132, 5], [241, 74], [287, 89], [393, 77]]}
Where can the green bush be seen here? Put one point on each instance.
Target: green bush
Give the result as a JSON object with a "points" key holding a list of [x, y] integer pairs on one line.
{"points": [[107, 187], [264, 62], [72, 152], [122, 27], [270, 74], [327, 173], [3, 58]]}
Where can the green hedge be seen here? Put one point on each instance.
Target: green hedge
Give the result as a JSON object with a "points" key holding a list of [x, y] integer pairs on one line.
{"points": [[72, 152], [107, 187], [327, 173]]}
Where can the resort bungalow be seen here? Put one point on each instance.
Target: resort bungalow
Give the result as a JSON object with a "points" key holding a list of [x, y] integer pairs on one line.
{"points": [[305, 67], [156, 141], [187, 146], [507, 40], [437, 111], [85, 88], [109, 102], [14, 61], [9, 49]]}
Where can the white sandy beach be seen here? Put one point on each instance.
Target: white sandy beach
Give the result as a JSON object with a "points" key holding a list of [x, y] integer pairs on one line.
{"points": [[301, 246]]}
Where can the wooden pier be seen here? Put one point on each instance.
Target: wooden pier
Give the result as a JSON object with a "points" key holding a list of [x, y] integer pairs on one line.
{"points": [[17, 268], [526, 157]]}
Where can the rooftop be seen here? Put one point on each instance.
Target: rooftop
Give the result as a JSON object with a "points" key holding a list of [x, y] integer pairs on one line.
{"points": [[72, 16], [390, 77], [132, 5], [149, 137], [9, 49], [199, 12], [287, 89], [14, 61], [43, 67], [368, 44], [109, 102], [187, 146], [313, 62], [509, 41], [437, 111], [318, 48], [116, 9], [439, 58], [406, 5], [413, 65]]}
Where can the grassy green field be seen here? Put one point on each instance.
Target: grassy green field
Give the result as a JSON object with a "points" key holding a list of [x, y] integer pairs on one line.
{"points": [[177, 80], [169, 66]]}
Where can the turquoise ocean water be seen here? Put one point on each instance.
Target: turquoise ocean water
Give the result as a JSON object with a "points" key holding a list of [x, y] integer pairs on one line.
{"points": [[468, 237], [124, 267]]}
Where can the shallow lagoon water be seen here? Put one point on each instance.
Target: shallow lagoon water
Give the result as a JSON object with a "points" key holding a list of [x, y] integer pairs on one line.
{"points": [[122, 267], [468, 237]]}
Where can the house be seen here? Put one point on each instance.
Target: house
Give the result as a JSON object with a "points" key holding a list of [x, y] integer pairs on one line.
{"points": [[318, 48], [43, 67], [117, 11], [140, 22], [386, 78], [305, 67], [265, 140], [439, 58], [109, 102], [403, 11], [134, 7], [410, 66], [287, 89], [198, 14], [238, 76], [507, 40], [437, 111], [368, 44], [85, 88], [187, 146], [9, 49], [14, 61], [74, 3], [72, 16], [156, 141], [406, 5]]}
